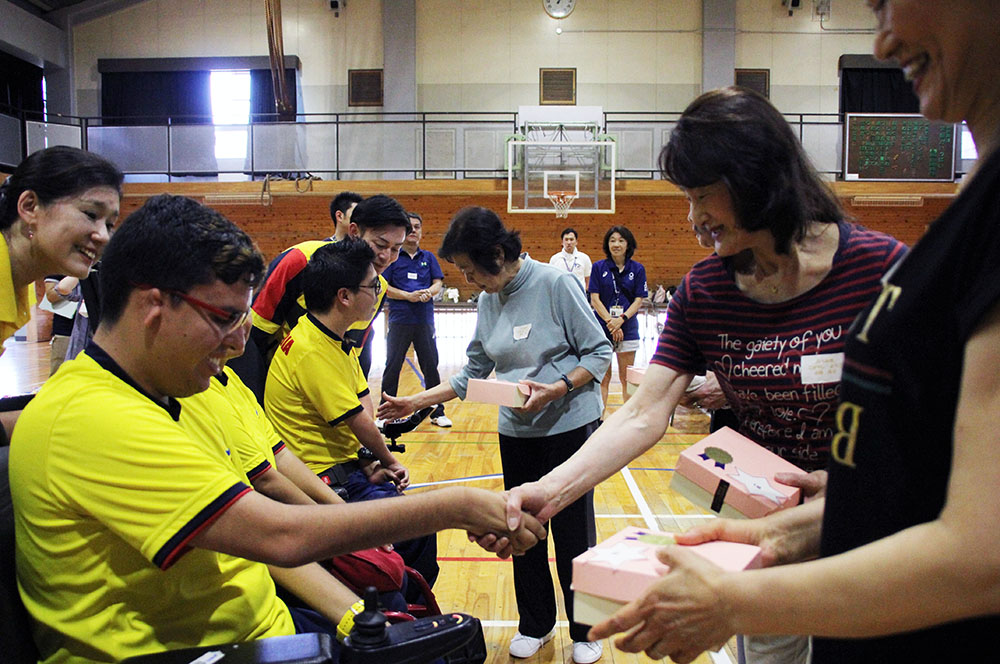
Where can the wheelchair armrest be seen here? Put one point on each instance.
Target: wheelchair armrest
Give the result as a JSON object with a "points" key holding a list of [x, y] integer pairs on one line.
{"points": [[296, 649]]}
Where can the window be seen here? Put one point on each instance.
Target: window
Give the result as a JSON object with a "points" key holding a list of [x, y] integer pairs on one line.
{"points": [[755, 79], [230, 106]]}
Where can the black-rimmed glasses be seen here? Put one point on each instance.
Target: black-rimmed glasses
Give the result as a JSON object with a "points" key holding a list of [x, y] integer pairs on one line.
{"points": [[376, 286]]}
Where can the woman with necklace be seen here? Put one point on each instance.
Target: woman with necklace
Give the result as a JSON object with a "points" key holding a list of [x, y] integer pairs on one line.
{"points": [[617, 288], [57, 211], [906, 534], [533, 326], [768, 312]]}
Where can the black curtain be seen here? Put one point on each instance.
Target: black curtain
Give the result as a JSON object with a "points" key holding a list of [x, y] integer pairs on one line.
{"points": [[262, 105], [20, 84], [135, 98], [876, 91]]}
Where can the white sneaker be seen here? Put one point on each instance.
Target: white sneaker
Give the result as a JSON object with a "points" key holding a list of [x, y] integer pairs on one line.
{"points": [[379, 423], [526, 646], [587, 652], [441, 421]]}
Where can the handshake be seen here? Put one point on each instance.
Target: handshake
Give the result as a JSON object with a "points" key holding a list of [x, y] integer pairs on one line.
{"points": [[509, 523]]}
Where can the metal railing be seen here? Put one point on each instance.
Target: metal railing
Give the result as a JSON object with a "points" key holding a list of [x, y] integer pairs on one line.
{"points": [[345, 146]]}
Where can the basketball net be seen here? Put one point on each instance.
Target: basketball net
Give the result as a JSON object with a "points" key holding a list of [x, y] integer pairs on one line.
{"points": [[561, 201]]}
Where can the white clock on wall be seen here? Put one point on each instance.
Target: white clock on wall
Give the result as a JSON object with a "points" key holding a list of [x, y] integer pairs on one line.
{"points": [[558, 8]]}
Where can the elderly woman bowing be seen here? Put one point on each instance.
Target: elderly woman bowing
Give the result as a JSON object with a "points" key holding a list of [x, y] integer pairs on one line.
{"points": [[534, 326]]}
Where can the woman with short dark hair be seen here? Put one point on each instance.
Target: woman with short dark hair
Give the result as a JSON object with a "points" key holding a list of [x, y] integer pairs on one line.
{"points": [[56, 214], [57, 210], [533, 327], [617, 288], [770, 307]]}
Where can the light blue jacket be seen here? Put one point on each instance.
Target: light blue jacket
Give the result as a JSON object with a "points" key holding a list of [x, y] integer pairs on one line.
{"points": [[556, 332]]}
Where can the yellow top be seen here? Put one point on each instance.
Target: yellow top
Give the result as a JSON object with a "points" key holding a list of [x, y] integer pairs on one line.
{"points": [[15, 304], [249, 434], [104, 514], [313, 386]]}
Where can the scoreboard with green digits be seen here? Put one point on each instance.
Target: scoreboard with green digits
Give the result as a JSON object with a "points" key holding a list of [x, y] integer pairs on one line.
{"points": [[898, 147]]}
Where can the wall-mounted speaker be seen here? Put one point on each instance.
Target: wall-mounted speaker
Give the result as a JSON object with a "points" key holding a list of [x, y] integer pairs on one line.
{"points": [[338, 6]]}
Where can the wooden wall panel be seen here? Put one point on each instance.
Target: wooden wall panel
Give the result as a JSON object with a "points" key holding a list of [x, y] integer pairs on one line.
{"points": [[654, 211]]}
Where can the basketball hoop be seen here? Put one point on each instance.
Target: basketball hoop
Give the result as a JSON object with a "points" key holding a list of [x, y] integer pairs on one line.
{"points": [[561, 201]]}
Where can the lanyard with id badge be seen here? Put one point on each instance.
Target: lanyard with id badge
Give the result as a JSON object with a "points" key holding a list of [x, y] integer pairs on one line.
{"points": [[616, 309]]}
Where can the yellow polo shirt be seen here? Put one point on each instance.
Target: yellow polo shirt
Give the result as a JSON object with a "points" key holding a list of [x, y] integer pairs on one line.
{"points": [[250, 436], [313, 385], [108, 491], [15, 304]]}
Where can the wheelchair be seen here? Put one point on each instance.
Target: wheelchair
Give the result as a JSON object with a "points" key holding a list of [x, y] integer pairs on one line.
{"points": [[456, 638]]}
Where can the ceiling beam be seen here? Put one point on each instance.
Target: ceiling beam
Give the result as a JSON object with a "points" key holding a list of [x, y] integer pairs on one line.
{"points": [[88, 10]]}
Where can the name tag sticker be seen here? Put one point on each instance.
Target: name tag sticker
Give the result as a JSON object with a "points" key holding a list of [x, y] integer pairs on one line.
{"points": [[825, 368], [411, 275], [521, 331]]}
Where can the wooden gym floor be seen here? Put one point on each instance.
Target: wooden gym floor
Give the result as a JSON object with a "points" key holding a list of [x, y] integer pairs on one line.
{"points": [[472, 580]]}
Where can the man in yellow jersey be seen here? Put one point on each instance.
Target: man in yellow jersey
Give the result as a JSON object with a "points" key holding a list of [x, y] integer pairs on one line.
{"points": [[277, 302], [258, 452], [228, 411], [318, 399], [134, 536]]}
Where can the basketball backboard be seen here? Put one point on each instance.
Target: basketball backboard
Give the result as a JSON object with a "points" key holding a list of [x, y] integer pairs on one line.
{"points": [[540, 171], [560, 123]]}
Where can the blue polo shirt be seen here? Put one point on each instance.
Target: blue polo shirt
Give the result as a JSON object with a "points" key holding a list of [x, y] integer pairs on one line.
{"points": [[621, 290], [411, 273]]}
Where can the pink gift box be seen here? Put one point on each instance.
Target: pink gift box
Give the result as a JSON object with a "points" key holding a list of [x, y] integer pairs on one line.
{"points": [[501, 392], [731, 475], [619, 569]]}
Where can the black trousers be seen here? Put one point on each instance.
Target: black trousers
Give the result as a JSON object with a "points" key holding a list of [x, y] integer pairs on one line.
{"points": [[397, 342], [573, 531]]}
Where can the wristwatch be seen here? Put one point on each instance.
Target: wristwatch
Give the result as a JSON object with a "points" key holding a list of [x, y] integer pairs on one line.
{"points": [[569, 383]]}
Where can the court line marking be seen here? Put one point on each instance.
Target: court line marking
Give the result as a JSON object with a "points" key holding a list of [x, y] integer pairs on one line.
{"points": [[514, 623], [420, 376], [473, 478], [640, 501], [668, 515], [479, 478]]}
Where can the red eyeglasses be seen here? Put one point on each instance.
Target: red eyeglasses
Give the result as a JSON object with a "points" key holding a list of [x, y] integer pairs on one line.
{"points": [[227, 321]]}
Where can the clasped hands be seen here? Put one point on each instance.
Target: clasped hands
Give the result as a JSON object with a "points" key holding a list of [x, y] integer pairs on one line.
{"points": [[421, 295]]}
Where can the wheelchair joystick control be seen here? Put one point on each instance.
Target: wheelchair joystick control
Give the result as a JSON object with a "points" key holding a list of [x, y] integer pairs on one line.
{"points": [[393, 429], [415, 642], [369, 625]]}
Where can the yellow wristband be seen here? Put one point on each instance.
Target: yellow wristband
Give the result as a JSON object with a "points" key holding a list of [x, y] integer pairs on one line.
{"points": [[347, 622]]}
